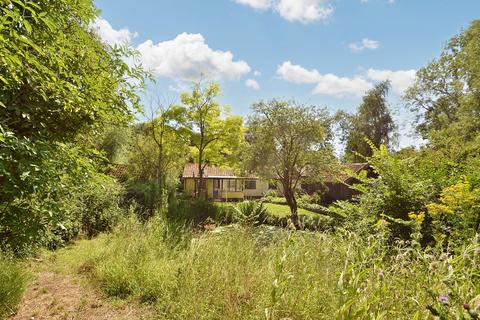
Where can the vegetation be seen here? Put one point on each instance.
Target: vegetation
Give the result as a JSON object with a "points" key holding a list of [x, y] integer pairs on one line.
{"points": [[74, 165], [214, 134], [290, 144], [12, 284], [239, 273], [373, 121]]}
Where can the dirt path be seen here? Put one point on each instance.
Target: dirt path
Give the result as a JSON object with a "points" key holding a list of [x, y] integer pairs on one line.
{"points": [[53, 294]]}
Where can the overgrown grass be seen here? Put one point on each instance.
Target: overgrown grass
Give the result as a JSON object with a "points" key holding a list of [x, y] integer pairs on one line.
{"points": [[12, 285], [266, 273]]}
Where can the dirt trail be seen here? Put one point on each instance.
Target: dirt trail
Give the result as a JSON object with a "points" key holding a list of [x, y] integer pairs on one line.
{"points": [[52, 294]]}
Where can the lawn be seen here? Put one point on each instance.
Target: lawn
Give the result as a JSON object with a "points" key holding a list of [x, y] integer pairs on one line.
{"points": [[281, 210]]}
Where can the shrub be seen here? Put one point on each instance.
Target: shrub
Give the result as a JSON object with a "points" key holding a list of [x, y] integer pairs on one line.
{"points": [[12, 285], [456, 217], [99, 205], [250, 212]]}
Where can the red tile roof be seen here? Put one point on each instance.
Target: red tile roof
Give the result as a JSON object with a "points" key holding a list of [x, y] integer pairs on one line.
{"points": [[191, 170]]}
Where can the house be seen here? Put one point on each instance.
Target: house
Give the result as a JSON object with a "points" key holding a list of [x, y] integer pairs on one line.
{"points": [[338, 187], [222, 184]]}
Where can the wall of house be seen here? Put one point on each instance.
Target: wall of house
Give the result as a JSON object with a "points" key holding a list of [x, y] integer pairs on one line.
{"points": [[189, 186], [262, 187], [227, 195]]}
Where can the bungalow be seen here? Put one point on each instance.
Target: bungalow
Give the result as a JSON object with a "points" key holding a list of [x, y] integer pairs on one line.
{"points": [[222, 184]]}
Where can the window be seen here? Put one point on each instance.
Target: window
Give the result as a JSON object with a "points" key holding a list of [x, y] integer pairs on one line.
{"points": [[251, 184], [232, 185], [204, 184]]}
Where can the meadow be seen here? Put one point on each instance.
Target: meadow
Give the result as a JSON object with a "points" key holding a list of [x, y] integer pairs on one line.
{"points": [[246, 272]]}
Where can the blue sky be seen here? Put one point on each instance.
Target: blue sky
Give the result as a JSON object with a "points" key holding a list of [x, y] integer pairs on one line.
{"points": [[319, 52]]}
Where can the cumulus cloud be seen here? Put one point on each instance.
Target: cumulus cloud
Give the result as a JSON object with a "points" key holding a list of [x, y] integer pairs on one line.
{"points": [[334, 85], [188, 57], [304, 11], [257, 73], [252, 84], [400, 79], [365, 43], [328, 84], [111, 36]]}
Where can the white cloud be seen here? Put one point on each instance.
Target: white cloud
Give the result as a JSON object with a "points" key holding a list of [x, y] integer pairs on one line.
{"points": [[365, 43], [328, 84], [400, 79], [256, 4], [257, 73], [252, 84], [304, 11], [111, 36], [188, 57], [333, 85]]}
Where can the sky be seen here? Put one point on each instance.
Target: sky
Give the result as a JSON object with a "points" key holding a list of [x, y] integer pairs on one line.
{"points": [[320, 52]]}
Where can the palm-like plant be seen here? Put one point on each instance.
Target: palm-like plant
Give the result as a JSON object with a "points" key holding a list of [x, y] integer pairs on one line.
{"points": [[250, 212]]}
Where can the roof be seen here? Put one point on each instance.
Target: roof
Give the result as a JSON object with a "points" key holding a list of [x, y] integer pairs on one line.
{"points": [[344, 176], [191, 171]]}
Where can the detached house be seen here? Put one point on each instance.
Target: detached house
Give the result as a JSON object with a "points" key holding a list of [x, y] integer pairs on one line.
{"points": [[222, 184]]}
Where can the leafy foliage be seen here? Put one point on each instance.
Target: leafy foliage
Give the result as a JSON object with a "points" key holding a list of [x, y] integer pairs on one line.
{"points": [[214, 134], [290, 144]]}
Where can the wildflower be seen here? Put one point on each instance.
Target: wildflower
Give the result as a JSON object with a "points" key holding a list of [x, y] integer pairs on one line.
{"points": [[443, 299], [380, 275], [433, 266]]}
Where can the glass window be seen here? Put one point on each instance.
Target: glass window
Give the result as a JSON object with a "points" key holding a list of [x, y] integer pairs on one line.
{"points": [[232, 185], [251, 184]]}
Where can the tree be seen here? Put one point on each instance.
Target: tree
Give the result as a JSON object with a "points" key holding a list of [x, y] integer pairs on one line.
{"points": [[59, 86], [159, 147], [372, 121], [214, 134], [445, 96], [289, 142]]}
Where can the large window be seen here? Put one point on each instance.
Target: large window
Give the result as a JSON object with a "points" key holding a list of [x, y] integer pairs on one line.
{"points": [[251, 184], [232, 185]]}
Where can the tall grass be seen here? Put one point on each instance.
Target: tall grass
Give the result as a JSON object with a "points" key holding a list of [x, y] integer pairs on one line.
{"points": [[12, 285], [250, 272]]}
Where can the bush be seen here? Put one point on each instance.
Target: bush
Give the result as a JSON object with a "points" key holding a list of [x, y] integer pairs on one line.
{"points": [[250, 212], [99, 205], [12, 285]]}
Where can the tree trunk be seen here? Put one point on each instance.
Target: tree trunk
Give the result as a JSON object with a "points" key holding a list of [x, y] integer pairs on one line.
{"points": [[292, 203], [200, 175]]}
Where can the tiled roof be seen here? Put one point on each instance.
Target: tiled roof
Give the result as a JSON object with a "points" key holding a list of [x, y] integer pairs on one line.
{"points": [[191, 170]]}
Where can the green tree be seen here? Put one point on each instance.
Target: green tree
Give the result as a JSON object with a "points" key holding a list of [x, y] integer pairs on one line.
{"points": [[159, 149], [59, 86], [372, 121], [445, 96], [215, 135], [288, 142]]}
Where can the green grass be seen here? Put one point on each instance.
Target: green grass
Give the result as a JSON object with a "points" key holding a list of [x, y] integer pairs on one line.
{"points": [[281, 210], [12, 285], [269, 273]]}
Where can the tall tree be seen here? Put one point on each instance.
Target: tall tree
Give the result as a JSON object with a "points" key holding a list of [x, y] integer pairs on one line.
{"points": [[214, 134], [289, 142], [159, 147], [372, 121], [59, 85], [445, 96]]}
